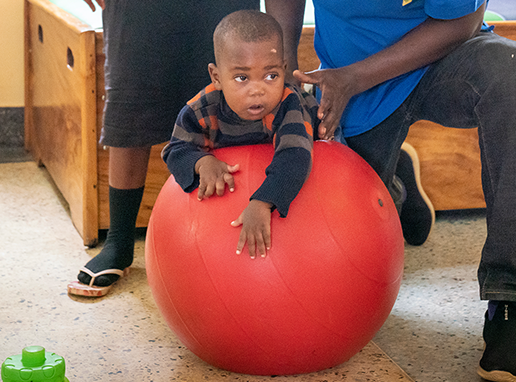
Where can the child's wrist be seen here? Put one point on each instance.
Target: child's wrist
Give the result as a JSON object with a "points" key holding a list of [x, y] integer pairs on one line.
{"points": [[199, 163], [269, 205]]}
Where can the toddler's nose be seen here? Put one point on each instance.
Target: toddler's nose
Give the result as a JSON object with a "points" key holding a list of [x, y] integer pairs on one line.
{"points": [[257, 90]]}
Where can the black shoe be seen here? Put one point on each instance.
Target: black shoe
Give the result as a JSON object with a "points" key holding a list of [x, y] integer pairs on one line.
{"points": [[417, 212], [499, 360]]}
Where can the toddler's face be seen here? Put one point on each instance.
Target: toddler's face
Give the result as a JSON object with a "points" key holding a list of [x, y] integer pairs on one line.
{"points": [[252, 77]]}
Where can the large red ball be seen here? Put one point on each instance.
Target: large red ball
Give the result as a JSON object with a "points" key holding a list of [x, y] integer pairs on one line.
{"points": [[326, 287]]}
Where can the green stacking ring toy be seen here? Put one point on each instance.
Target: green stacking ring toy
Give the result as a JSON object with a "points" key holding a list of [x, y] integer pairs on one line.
{"points": [[35, 365]]}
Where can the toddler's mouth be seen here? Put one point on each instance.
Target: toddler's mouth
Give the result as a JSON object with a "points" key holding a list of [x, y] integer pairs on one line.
{"points": [[255, 109]]}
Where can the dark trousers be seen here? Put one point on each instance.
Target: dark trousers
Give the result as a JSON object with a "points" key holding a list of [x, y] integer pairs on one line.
{"points": [[474, 86]]}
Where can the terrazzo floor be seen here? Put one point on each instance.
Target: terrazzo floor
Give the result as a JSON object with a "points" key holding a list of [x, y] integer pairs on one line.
{"points": [[433, 333]]}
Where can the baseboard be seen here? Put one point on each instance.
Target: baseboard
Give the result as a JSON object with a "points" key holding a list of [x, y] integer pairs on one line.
{"points": [[11, 126]]}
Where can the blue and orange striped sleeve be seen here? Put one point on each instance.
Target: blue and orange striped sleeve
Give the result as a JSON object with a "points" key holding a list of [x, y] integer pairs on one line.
{"points": [[191, 138], [293, 127]]}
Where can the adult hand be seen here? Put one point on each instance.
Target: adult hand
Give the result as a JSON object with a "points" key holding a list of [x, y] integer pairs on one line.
{"points": [[291, 79], [214, 174], [337, 87], [99, 2], [256, 228]]}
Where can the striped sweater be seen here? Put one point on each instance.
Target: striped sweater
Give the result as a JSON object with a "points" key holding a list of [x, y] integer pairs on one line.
{"points": [[207, 122]]}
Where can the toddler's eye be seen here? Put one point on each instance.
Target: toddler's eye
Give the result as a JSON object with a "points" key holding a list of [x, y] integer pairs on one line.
{"points": [[240, 78], [271, 76]]}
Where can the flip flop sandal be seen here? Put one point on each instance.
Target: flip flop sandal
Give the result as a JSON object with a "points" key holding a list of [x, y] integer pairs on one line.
{"points": [[89, 290]]}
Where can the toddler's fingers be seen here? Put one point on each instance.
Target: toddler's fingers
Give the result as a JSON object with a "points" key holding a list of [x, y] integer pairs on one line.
{"points": [[228, 178], [260, 244], [200, 191], [220, 185], [268, 241], [241, 239], [210, 190], [237, 222], [251, 246], [233, 168], [241, 242]]}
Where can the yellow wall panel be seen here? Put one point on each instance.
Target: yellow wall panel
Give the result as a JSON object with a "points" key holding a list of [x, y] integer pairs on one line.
{"points": [[11, 53]]}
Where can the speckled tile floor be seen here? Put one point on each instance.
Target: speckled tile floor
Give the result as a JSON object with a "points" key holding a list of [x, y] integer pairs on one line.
{"points": [[433, 333], [434, 330]]}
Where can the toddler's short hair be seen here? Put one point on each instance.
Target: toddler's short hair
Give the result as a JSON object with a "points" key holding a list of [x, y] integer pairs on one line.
{"points": [[248, 26]]}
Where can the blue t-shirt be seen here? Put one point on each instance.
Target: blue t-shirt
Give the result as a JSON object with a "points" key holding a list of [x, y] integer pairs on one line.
{"points": [[349, 31]]}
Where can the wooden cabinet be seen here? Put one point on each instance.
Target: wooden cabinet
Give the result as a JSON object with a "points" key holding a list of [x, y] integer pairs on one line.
{"points": [[64, 90]]}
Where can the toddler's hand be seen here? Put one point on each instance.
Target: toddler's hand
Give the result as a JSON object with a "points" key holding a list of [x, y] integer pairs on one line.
{"points": [[256, 228], [214, 174]]}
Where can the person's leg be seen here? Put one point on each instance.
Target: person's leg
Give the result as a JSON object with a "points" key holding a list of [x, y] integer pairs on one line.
{"points": [[151, 71], [127, 173], [380, 147], [397, 165], [497, 271], [476, 86], [128, 167]]}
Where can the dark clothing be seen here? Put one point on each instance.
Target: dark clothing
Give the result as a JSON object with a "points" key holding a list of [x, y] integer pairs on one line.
{"points": [[475, 85], [157, 56]]}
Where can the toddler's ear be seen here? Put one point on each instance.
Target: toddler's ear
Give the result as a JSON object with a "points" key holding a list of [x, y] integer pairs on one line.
{"points": [[214, 74]]}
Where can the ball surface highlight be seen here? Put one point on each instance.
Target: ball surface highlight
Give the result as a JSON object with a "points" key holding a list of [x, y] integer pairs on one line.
{"points": [[326, 286]]}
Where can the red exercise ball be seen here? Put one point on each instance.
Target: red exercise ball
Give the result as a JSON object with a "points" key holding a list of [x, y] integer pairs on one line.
{"points": [[325, 288]]}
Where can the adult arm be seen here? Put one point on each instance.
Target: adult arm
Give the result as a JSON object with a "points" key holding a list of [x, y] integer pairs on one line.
{"points": [[289, 14], [427, 43]]}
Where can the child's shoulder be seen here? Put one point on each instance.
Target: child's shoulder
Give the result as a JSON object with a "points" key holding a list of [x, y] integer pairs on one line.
{"points": [[205, 98], [306, 98]]}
